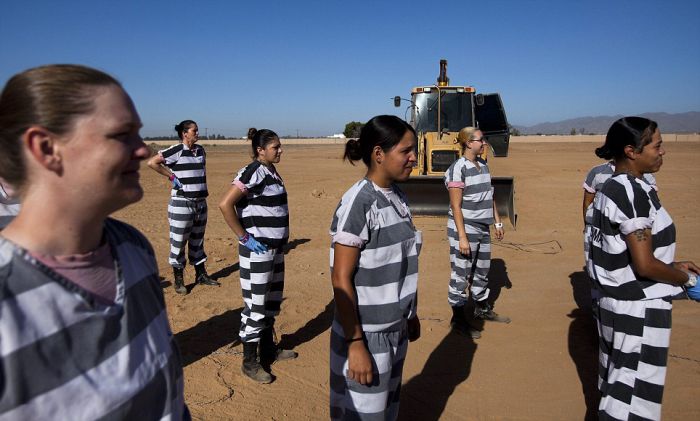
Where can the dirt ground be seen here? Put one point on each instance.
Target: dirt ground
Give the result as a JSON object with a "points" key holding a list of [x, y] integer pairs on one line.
{"points": [[541, 366]]}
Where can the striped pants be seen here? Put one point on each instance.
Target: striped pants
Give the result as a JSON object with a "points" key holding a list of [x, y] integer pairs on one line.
{"points": [[188, 220], [262, 284], [477, 265], [634, 338], [350, 400]]}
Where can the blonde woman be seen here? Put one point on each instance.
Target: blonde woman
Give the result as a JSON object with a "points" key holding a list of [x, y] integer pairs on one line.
{"points": [[472, 212]]}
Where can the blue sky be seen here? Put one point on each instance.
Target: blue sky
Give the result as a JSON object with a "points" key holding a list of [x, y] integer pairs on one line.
{"points": [[309, 67]]}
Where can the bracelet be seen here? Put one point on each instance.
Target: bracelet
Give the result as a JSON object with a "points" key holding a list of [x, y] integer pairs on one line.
{"points": [[244, 237], [359, 338], [498, 225], [171, 177]]}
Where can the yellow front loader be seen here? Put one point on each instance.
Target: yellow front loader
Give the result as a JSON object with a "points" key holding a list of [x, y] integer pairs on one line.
{"points": [[438, 113]]}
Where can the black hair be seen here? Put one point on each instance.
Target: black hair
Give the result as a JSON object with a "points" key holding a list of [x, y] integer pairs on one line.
{"points": [[627, 131], [183, 126], [260, 138], [384, 131]]}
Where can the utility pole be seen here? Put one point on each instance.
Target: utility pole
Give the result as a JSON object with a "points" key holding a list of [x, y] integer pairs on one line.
{"points": [[297, 133], [206, 133]]}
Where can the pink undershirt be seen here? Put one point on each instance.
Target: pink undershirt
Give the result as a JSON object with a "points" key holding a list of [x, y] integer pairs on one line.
{"points": [[93, 271]]}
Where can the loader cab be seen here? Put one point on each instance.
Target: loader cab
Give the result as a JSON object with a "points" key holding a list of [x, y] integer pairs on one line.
{"points": [[438, 113], [491, 120], [442, 109]]}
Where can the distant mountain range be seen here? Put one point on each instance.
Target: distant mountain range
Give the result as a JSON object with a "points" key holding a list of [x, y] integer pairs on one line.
{"points": [[669, 123]]}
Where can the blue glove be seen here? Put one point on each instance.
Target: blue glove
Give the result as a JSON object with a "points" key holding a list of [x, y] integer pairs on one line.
{"points": [[694, 292], [176, 183], [252, 244]]}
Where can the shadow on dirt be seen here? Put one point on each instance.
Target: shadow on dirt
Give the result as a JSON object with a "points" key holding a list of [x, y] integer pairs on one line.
{"points": [[498, 279], [294, 244], [222, 273], [425, 396], [583, 342], [208, 336], [314, 327]]}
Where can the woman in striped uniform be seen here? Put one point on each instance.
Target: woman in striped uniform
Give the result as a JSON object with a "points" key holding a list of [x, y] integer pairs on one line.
{"points": [[185, 166], [255, 208], [374, 271], [632, 245], [84, 332], [595, 179], [471, 204]]}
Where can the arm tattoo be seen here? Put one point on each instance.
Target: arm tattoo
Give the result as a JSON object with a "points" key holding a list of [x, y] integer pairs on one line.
{"points": [[641, 235]]}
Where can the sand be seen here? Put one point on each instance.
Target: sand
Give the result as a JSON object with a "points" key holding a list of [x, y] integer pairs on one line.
{"points": [[541, 366]]}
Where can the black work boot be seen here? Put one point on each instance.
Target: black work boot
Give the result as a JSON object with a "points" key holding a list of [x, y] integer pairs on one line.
{"points": [[269, 352], [484, 311], [179, 281], [460, 324], [251, 367], [202, 277]]}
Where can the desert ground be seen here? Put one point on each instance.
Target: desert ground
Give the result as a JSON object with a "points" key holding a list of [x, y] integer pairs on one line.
{"points": [[541, 366]]}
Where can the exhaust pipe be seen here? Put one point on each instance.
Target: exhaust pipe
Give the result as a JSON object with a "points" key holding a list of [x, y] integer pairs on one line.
{"points": [[442, 79]]}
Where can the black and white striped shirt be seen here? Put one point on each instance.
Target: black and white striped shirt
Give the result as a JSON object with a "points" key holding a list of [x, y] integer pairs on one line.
{"points": [[386, 278], [626, 204], [263, 212], [598, 175], [189, 166], [66, 355], [477, 194]]}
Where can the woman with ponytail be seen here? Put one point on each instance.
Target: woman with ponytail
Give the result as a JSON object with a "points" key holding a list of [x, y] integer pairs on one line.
{"points": [[632, 245], [374, 272], [184, 164], [255, 208]]}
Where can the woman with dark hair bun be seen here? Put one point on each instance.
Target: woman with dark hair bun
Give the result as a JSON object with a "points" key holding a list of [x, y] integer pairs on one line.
{"points": [[84, 331], [592, 184], [185, 166], [632, 245], [374, 272], [255, 208]]}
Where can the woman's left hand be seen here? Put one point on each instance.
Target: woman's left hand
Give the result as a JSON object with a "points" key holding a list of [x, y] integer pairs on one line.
{"points": [[499, 233], [413, 329]]}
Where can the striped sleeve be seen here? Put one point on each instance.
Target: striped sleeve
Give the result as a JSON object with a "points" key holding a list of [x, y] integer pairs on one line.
{"points": [[171, 154], [351, 225], [250, 177], [597, 176], [628, 206], [454, 176]]}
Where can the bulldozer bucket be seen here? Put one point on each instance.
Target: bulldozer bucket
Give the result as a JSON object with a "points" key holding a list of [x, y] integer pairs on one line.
{"points": [[428, 196]]}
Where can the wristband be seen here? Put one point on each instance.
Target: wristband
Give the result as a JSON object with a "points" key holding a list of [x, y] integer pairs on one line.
{"points": [[171, 177], [498, 225], [244, 237], [692, 281], [359, 338]]}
